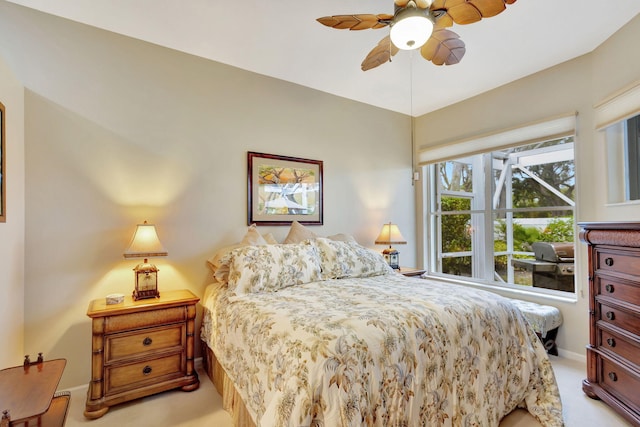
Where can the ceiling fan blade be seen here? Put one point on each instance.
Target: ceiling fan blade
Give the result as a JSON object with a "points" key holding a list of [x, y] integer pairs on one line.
{"points": [[443, 47], [380, 54], [356, 22], [465, 12]]}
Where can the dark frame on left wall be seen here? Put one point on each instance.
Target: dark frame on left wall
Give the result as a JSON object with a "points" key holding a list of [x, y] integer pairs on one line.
{"points": [[3, 167], [283, 189]]}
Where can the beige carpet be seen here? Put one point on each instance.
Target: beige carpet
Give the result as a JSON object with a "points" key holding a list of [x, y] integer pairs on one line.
{"points": [[203, 406]]}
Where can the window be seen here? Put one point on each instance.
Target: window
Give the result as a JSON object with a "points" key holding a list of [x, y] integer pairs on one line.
{"points": [[505, 217], [623, 160], [632, 151]]}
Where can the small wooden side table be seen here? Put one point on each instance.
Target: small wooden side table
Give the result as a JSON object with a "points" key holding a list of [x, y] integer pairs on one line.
{"points": [[141, 348], [28, 395], [410, 271]]}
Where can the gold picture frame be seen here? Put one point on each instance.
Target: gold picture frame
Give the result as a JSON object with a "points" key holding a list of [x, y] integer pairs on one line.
{"points": [[283, 189]]}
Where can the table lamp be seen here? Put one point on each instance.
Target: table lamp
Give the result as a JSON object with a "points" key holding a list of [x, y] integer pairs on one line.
{"points": [[390, 235], [145, 244]]}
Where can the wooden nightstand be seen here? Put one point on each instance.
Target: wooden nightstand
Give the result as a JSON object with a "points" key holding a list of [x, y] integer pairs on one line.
{"points": [[409, 271], [141, 348]]}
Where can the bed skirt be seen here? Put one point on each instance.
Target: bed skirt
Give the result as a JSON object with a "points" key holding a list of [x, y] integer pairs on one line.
{"points": [[231, 400]]}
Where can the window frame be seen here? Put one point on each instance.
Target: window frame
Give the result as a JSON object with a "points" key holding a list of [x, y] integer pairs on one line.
{"points": [[482, 266]]}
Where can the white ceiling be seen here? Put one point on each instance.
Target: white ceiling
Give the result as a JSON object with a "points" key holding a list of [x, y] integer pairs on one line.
{"points": [[282, 39]]}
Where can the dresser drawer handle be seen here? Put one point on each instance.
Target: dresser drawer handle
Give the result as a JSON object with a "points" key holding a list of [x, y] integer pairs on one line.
{"points": [[609, 288], [611, 315], [613, 376], [608, 261], [611, 342], [147, 341], [146, 370]]}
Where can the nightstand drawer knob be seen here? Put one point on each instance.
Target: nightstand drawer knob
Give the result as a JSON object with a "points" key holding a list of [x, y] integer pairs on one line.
{"points": [[611, 342], [147, 341], [613, 376], [609, 288], [609, 261], [147, 370], [611, 315]]}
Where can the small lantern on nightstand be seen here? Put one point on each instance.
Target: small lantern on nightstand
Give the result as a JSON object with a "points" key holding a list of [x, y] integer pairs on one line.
{"points": [[390, 235], [145, 244]]}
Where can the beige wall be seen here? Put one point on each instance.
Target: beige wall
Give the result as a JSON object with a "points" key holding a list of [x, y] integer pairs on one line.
{"points": [[12, 231], [119, 131], [572, 86]]}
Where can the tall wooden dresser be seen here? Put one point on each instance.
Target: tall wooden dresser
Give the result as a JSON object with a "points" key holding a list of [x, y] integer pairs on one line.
{"points": [[613, 353]]}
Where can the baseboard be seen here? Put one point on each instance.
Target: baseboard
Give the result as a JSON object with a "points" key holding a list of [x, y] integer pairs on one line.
{"points": [[582, 358]]}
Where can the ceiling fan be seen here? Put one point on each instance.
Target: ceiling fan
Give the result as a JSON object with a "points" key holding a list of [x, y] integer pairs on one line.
{"points": [[419, 24]]}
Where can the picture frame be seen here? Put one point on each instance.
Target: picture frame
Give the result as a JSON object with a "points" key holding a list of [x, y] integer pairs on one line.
{"points": [[3, 170], [283, 189]]}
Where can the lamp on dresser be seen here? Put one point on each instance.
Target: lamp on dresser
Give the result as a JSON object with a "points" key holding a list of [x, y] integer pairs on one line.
{"points": [[145, 244], [390, 235]]}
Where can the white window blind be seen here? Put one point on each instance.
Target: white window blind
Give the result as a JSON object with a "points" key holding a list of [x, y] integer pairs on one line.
{"points": [[543, 130], [620, 106]]}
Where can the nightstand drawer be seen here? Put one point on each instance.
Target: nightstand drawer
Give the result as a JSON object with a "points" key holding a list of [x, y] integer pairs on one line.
{"points": [[127, 377], [127, 322], [125, 345]]}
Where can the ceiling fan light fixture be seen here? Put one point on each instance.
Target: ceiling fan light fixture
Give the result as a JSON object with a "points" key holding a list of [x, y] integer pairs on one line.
{"points": [[411, 28]]}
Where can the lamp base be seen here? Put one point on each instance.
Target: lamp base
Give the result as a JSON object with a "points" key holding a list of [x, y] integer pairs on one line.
{"points": [[146, 281], [392, 257], [138, 295]]}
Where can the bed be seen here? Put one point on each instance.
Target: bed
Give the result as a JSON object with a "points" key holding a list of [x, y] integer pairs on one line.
{"points": [[324, 333]]}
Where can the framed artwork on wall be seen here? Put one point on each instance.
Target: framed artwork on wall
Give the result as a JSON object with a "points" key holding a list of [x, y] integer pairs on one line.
{"points": [[283, 189], [3, 162]]}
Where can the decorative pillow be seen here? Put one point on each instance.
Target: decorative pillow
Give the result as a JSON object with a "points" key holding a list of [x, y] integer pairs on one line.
{"points": [[273, 267], [270, 239], [299, 233], [349, 259], [219, 262], [253, 237]]}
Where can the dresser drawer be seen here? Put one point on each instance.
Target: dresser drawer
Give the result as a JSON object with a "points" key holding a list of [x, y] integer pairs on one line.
{"points": [[618, 261], [620, 382], [622, 346], [619, 318], [143, 342], [618, 289], [119, 378]]}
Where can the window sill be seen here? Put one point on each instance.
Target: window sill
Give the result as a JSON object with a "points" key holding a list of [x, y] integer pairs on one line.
{"points": [[511, 292], [624, 203]]}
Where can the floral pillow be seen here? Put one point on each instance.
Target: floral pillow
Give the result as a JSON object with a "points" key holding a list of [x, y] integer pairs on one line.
{"points": [[349, 259], [219, 262], [273, 267]]}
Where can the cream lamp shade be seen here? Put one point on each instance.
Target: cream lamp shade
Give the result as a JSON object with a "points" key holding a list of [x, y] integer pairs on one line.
{"points": [[145, 244], [411, 28], [390, 235]]}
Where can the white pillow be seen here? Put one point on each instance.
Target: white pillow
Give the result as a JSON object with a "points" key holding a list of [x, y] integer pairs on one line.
{"points": [[273, 267], [349, 259]]}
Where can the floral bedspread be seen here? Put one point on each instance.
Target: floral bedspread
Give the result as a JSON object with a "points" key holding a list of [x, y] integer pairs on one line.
{"points": [[380, 351]]}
